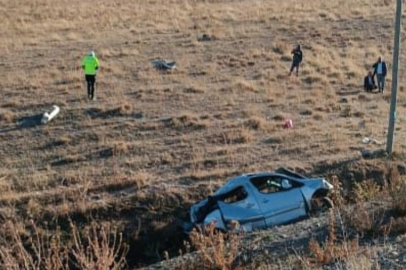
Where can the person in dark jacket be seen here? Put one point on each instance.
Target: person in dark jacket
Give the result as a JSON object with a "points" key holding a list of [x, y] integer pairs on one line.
{"points": [[297, 59], [380, 70], [369, 82]]}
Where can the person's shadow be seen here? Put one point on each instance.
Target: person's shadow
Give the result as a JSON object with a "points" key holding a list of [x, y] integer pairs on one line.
{"points": [[25, 122]]}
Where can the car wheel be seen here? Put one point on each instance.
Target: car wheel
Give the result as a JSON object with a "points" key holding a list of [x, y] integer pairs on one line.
{"points": [[321, 204]]}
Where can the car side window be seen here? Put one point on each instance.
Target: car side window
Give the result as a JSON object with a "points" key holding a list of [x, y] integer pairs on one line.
{"points": [[235, 195], [270, 184]]}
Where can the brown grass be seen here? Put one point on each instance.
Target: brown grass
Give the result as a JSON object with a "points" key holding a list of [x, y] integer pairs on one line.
{"points": [[256, 123], [332, 250], [365, 191], [96, 247], [155, 142], [367, 221], [6, 116], [397, 192], [215, 249]]}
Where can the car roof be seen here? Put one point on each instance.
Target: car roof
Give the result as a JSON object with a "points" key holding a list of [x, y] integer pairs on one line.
{"points": [[243, 178]]}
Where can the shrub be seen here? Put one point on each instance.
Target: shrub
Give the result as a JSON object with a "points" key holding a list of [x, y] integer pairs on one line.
{"points": [[366, 221], [337, 193], [98, 247], [30, 248], [216, 250], [6, 116], [397, 192], [365, 191], [255, 123], [332, 250]]}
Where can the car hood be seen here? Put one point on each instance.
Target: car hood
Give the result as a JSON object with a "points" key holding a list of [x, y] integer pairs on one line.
{"points": [[316, 183]]}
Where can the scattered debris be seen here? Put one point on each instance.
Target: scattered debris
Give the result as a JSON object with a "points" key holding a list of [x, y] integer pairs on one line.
{"points": [[262, 200], [206, 37], [288, 123], [46, 117], [367, 140], [164, 65], [306, 112]]}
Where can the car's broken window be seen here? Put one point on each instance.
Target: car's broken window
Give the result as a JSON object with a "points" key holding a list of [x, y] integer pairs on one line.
{"points": [[269, 184], [235, 195]]}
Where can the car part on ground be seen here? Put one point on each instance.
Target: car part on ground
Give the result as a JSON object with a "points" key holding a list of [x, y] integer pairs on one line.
{"points": [[164, 65]]}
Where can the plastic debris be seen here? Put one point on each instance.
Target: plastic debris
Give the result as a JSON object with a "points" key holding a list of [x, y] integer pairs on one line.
{"points": [[367, 140], [288, 123], [46, 117]]}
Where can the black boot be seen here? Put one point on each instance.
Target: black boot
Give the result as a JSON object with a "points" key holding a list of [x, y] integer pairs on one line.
{"points": [[89, 92]]}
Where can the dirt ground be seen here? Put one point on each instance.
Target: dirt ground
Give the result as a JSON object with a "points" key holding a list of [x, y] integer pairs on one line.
{"points": [[155, 142]]}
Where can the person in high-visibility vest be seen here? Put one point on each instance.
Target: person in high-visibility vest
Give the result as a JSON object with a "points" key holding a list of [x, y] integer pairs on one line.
{"points": [[90, 65]]}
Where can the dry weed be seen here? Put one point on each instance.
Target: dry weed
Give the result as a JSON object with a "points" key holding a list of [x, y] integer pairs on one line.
{"points": [[360, 262], [280, 48], [33, 207], [6, 116], [397, 192], [30, 248], [33, 251], [366, 190], [337, 193], [62, 141], [256, 123], [98, 247], [332, 250], [216, 249], [366, 221], [189, 120], [244, 85], [346, 111], [397, 225], [120, 148]]}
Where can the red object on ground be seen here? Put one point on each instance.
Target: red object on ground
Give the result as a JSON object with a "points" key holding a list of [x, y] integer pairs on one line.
{"points": [[288, 123]]}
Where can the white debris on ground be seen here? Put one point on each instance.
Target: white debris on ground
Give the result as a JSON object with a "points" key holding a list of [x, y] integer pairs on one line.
{"points": [[46, 117], [367, 140]]}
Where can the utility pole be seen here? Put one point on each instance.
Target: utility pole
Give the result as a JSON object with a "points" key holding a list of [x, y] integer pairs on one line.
{"points": [[392, 112]]}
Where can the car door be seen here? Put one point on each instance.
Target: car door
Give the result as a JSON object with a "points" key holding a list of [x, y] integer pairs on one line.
{"points": [[242, 208], [278, 205]]}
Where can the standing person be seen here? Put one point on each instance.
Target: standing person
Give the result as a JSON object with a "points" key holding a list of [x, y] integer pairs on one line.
{"points": [[297, 59], [380, 69], [369, 82], [90, 65]]}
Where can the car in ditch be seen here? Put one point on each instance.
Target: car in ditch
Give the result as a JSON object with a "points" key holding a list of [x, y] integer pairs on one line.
{"points": [[262, 200]]}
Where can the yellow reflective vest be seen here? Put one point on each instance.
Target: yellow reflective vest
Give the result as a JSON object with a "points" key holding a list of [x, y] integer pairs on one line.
{"points": [[90, 64]]}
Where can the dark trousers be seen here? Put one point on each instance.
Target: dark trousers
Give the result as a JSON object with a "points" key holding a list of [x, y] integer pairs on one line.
{"points": [[295, 64], [91, 80], [370, 87]]}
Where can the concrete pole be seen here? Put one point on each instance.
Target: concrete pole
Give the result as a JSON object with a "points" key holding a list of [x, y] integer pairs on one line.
{"points": [[392, 112]]}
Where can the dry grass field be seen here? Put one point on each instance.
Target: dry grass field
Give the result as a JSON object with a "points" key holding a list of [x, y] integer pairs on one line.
{"points": [[154, 142]]}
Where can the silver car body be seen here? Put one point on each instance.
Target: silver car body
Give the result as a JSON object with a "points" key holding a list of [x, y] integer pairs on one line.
{"points": [[260, 200]]}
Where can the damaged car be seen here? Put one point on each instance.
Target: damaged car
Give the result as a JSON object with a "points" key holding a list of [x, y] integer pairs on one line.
{"points": [[262, 200]]}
